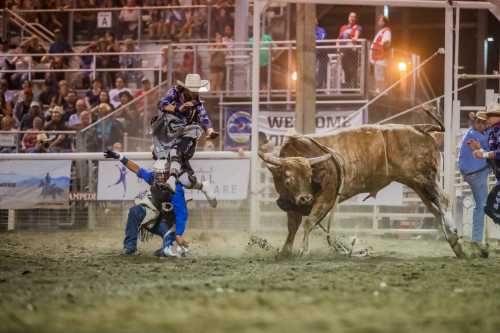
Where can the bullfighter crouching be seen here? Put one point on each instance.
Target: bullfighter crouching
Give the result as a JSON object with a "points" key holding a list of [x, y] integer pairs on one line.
{"points": [[157, 211]]}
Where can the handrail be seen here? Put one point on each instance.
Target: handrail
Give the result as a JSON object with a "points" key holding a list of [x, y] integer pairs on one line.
{"points": [[42, 27], [23, 24]]}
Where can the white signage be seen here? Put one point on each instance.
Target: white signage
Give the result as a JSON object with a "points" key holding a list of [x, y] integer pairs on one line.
{"points": [[276, 124], [104, 20], [228, 178]]}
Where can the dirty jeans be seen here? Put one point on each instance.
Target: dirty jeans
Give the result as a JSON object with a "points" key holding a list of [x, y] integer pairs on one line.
{"points": [[478, 183], [135, 216]]}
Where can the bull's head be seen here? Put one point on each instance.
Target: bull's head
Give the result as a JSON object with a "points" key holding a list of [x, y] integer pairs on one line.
{"points": [[293, 176]]}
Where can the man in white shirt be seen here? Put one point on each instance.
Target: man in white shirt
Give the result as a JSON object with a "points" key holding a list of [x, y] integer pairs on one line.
{"points": [[114, 94], [379, 52]]}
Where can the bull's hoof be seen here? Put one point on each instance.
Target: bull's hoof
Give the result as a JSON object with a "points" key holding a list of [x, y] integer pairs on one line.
{"points": [[284, 254], [456, 245], [475, 250]]}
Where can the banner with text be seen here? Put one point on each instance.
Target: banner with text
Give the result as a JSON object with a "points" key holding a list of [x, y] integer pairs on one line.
{"points": [[276, 124], [40, 184], [229, 179]]}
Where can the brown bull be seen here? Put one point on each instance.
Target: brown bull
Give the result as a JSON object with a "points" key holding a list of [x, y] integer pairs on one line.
{"points": [[313, 174]]}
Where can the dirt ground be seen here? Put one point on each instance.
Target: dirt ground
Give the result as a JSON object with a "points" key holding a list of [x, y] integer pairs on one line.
{"points": [[76, 282]]}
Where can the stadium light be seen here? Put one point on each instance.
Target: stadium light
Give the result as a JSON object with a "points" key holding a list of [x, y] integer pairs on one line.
{"points": [[402, 67], [490, 39], [294, 76]]}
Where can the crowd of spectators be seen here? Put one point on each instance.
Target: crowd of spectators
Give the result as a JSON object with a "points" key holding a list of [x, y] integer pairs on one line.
{"points": [[38, 108]]}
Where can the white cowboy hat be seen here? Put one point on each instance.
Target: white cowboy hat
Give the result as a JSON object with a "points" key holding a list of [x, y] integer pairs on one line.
{"points": [[195, 83], [493, 110]]}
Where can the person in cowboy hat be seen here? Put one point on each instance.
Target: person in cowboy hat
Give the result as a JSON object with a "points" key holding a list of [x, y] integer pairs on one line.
{"points": [[492, 156], [475, 171], [181, 121]]}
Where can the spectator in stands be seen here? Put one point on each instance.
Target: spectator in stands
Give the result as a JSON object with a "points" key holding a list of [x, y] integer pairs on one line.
{"points": [[60, 45], [61, 93], [217, 64], [110, 130], [34, 112], [6, 98], [228, 38], [146, 86], [132, 119], [85, 120], [265, 57], [129, 19], [322, 57], [75, 119], [174, 20], [49, 91], [131, 61], [21, 64], [8, 141], [222, 19], [104, 99], [87, 62], [30, 139], [125, 97], [56, 123], [113, 61], [23, 103], [379, 52], [57, 62], [162, 62], [92, 95], [350, 57], [154, 19], [69, 104], [114, 94], [188, 65], [85, 21]]}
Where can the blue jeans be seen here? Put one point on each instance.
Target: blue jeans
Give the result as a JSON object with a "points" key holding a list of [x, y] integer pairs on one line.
{"points": [[135, 216], [478, 183]]}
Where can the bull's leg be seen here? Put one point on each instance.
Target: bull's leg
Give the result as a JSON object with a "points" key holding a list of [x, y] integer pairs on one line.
{"points": [[318, 212], [294, 220], [436, 202]]}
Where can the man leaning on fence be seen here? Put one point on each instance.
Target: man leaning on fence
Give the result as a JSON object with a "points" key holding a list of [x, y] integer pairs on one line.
{"points": [[475, 171], [492, 155]]}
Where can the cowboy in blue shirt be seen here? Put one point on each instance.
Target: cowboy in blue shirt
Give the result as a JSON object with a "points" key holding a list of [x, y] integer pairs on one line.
{"points": [[475, 171], [492, 155], [157, 211]]}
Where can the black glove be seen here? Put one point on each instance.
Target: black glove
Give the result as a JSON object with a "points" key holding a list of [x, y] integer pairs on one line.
{"points": [[111, 154]]}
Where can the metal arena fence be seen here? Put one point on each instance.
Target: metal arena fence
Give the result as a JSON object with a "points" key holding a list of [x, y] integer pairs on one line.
{"points": [[407, 219]]}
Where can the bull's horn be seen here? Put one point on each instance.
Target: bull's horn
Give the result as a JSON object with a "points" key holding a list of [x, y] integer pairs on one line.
{"points": [[319, 159], [270, 158]]}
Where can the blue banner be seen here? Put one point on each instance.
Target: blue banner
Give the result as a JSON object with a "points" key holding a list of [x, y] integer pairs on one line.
{"points": [[34, 184]]}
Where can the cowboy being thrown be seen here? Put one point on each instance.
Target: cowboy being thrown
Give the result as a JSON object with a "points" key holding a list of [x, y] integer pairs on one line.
{"points": [[181, 121]]}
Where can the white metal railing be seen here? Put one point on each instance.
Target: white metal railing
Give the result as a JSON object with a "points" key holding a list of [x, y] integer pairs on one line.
{"points": [[278, 78]]}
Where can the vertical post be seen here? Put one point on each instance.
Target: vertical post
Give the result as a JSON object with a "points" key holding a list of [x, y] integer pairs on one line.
{"points": [[11, 220], [481, 33], [448, 106], [305, 109], [94, 65], [209, 22], [170, 65], [254, 200], [139, 26], [240, 37], [92, 223], [71, 34]]}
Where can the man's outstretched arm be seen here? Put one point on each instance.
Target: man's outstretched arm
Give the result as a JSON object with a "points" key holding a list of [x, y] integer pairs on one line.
{"points": [[140, 172]]}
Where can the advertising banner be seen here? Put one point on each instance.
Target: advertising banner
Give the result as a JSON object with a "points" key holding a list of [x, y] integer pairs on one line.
{"points": [[276, 124], [229, 179], [43, 184]]}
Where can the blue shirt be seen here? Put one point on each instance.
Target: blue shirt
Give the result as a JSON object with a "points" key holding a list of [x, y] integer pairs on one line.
{"points": [[178, 201], [175, 97], [467, 163]]}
